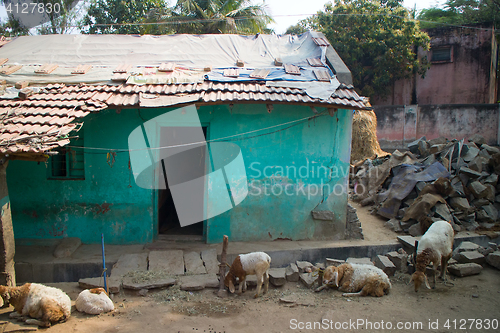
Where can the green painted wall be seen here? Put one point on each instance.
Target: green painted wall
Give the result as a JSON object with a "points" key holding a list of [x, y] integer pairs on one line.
{"points": [[282, 170]]}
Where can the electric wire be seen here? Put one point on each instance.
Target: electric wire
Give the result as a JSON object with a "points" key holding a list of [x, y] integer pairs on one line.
{"points": [[229, 138]]}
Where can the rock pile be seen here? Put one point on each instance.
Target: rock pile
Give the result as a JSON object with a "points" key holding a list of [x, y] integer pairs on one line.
{"points": [[434, 180]]}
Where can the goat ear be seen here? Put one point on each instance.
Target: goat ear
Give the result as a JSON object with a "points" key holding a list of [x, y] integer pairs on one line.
{"points": [[231, 286], [426, 282]]}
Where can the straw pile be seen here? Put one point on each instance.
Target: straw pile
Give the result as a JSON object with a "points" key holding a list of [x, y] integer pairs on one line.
{"points": [[364, 137]]}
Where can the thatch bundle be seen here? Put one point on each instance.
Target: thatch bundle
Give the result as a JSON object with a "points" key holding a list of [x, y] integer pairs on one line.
{"points": [[364, 137]]}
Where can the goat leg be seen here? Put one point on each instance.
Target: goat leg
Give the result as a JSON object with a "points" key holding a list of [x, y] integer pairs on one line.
{"points": [[266, 282], [37, 322]]}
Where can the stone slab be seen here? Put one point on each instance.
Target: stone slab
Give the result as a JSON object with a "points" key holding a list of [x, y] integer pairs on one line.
{"points": [[193, 263], [408, 243], [292, 273], [303, 266], [67, 247], [334, 262], [467, 246], [471, 256], [462, 270], [493, 259], [129, 263], [251, 281], [324, 215], [363, 261], [198, 282], [399, 260], [277, 276], [113, 283], [210, 261], [160, 283], [171, 261], [308, 279], [385, 264]]}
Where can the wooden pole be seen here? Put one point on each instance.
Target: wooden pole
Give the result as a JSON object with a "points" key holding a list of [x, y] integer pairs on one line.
{"points": [[7, 244], [222, 268]]}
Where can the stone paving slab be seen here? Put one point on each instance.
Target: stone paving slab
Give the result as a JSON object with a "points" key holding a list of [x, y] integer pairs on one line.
{"points": [[209, 258], [198, 282], [277, 276], [160, 283], [128, 263], [67, 247], [361, 261], [113, 283], [193, 263], [171, 261]]}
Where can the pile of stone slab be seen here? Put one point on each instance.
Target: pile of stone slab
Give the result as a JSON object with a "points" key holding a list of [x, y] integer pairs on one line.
{"points": [[191, 270], [437, 179]]}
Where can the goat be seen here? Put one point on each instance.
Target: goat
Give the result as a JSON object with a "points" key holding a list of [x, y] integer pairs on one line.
{"points": [[358, 280], [435, 246], [94, 301], [37, 301], [255, 263]]}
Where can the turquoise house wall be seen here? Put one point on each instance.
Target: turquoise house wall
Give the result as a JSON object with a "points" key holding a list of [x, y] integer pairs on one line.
{"points": [[297, 168]]}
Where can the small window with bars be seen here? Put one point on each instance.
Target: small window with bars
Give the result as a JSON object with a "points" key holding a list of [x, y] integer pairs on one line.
{"points": [[442, 54], [69, 162]]}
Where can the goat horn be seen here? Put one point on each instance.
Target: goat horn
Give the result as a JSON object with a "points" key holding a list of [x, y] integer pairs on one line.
{"points": [[228, 265]]}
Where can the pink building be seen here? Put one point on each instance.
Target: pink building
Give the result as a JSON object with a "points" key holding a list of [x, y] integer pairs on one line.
{"points": [[463, 70]]}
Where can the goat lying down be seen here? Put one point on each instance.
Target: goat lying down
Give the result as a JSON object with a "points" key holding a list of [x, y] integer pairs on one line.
{"points": [[358, 280], [255, 263], [94, 301], [45, 305]]}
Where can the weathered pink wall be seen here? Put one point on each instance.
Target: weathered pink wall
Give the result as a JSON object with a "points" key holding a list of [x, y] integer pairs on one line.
{"points": [[468, 79], [398, 125]]}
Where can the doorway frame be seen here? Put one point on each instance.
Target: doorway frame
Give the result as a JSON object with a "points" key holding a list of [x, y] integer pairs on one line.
{"points": [[156, 197]]}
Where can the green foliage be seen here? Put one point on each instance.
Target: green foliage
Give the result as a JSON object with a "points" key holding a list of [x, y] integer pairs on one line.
{"points": [[377, 41], [59, 24], [187, 16], [301, 27], [12, 28], [436, 17], [112, 16], [462, 12], [219, 16]]}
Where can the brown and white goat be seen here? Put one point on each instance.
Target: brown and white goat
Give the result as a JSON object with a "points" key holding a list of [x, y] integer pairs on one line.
{"points": [[45, 305], [357, 280], [435, 246], [255, 263]]}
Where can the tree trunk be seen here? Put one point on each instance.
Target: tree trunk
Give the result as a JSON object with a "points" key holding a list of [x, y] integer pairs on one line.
{"points": [[7, 246]]}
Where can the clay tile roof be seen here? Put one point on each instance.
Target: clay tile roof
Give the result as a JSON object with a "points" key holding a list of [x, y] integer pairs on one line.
{"points": [[41, 123]]}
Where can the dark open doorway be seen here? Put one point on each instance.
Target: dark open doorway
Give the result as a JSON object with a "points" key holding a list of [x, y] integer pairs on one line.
{"points": [[168, 221]]}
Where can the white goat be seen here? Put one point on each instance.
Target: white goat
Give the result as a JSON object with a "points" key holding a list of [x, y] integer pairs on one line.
{"points": [[255, 263], [94, 301], [435, 246], [358, 280], [51, 305]]}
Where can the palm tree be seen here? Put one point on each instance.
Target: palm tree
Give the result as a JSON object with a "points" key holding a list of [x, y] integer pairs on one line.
{"points": [[219, 17]]}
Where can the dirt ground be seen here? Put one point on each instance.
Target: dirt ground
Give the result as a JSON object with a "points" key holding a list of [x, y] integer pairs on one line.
{"points": [[471, 304]]}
